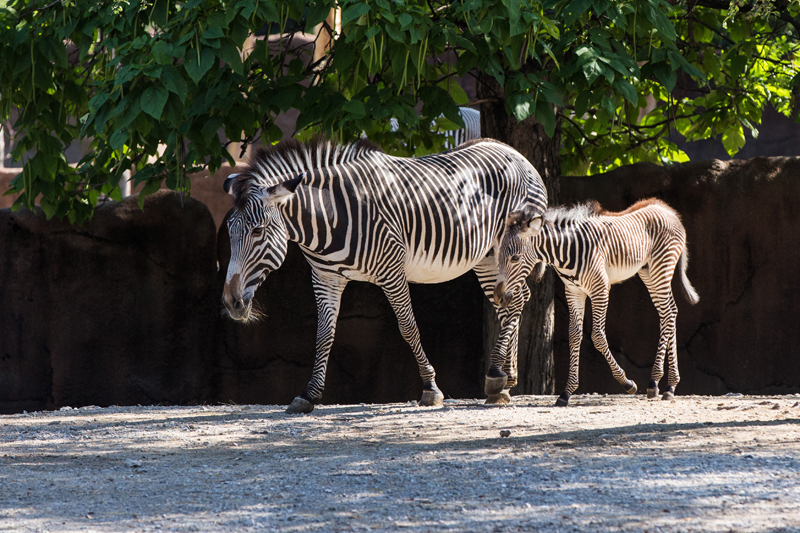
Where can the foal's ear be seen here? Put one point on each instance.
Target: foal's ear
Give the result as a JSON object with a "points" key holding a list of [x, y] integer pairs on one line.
{"points": [[281, 192], [531, 228], [527, 221]]}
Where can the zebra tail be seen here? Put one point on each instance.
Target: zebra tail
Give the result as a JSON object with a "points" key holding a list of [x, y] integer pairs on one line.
{"points": [[688, 290]]}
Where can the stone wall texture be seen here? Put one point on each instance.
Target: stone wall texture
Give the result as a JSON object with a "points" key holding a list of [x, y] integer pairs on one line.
{"points": [[126, 309], [119, 311]]}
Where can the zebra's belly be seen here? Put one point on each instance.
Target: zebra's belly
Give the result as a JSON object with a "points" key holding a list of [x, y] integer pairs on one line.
{"points": [[436, 272], [619, 273]]}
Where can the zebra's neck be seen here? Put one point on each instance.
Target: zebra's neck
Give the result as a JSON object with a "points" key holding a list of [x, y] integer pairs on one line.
{"points": [[556, 243]]}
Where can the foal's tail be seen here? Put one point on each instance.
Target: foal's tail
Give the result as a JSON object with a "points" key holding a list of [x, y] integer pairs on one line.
{"points": [[688, 290]]}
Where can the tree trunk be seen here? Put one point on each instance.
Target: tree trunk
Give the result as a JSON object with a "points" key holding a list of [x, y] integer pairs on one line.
{"points": [[536, 370]]}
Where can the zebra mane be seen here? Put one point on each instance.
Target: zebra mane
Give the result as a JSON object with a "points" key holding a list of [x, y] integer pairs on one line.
{"points": [[592, 208], [290, 157], [571, 214]]}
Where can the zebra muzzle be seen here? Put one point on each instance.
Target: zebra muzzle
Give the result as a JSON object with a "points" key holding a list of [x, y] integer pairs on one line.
{"points": [[501, 297]]}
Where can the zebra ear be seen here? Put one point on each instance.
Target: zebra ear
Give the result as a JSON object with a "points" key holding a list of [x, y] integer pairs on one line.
{"points": [[281, 192], [226, 185], [530, 227]]}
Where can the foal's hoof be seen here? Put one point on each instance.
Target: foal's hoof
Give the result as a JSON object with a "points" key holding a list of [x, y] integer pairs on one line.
{"points": [[668, 395], [630, 387], [563, 400], [652, 393], [432, 398], [499, 399], [299, 406], [494, 385]]}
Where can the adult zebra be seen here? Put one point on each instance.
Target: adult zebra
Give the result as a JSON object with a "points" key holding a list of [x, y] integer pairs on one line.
{"points": [[359, 214]]}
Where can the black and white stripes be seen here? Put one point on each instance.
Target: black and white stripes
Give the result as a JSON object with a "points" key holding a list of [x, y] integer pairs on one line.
{"points": [[359, 214], [592, 249]]}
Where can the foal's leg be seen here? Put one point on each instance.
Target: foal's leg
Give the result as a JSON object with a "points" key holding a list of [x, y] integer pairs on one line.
{"points": [[328, 293], [658, 280], [396, 290], [502, 373], [599, 299], [576, 300]]}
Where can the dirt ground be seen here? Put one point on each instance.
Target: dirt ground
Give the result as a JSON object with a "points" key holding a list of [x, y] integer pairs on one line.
{"points": [[605, 463]]}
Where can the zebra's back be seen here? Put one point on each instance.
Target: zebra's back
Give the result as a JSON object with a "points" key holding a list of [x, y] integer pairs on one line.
{"points": [[436, 216]]}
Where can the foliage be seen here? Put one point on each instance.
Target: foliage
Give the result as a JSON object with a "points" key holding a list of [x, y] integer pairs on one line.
{"points": [[149, 84], [621, 75]]}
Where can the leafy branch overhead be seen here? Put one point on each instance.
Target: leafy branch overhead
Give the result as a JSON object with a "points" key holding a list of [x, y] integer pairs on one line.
{"points": [[148, 86]]}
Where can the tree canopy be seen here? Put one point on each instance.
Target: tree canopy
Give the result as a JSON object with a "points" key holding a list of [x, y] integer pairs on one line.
{"points": [[150, 84]]}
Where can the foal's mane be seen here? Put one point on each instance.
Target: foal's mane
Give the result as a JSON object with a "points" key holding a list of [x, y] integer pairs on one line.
{"points": [[590, 209], [291, 157]]}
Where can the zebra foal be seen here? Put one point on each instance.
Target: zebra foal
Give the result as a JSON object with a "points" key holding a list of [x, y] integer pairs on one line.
{"points": [[590, 250]]}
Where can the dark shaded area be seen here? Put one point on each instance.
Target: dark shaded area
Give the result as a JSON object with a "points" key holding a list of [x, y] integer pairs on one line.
{"points": [[742, 223], [119, 311]]}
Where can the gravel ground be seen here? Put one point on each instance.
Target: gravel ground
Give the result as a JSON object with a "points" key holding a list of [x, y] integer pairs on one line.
{"points": [[605, 463]]}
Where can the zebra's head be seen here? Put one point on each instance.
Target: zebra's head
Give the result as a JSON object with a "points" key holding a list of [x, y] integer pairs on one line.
{"points": [[516, 258], [258, 239]]}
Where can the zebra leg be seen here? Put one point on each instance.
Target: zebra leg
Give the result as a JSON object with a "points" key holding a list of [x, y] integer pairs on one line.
{"points": [[673, 376], [599, 309], [396, 290], [659, 287], [502, 373], [576, 300], [328, 293]]}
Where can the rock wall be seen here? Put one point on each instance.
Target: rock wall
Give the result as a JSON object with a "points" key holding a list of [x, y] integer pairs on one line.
{"points": [[742, 220], [120, 311]]}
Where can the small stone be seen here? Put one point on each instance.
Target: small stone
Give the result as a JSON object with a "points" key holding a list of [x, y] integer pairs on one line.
{"points": [[133, 463], [504, 433]]}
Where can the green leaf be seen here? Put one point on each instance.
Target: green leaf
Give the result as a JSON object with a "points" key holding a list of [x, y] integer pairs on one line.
{"points": [[623, 87], [355, 107], [230, 55], [153, 100], [733, 139], [546, 116], [666, 75], [575, 10], [195, 69], [118, 140], [211, 128], [738, 64], [173, 81], [353, 12], [213, 32], [522, 105]]}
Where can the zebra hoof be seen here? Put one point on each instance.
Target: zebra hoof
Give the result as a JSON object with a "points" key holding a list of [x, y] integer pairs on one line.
{"points": [[563, 400], [630, 387], [432, 398], [668, 395], [499, 399], [299, 406], [494, 386], [652, 393]]}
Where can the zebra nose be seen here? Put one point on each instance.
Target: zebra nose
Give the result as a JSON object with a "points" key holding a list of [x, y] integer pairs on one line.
{"points": [[238, 304], [500, 296]]}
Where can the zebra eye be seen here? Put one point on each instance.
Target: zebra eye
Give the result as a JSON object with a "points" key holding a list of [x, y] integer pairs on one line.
{"points": [[514, 258], [258, 230]]}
